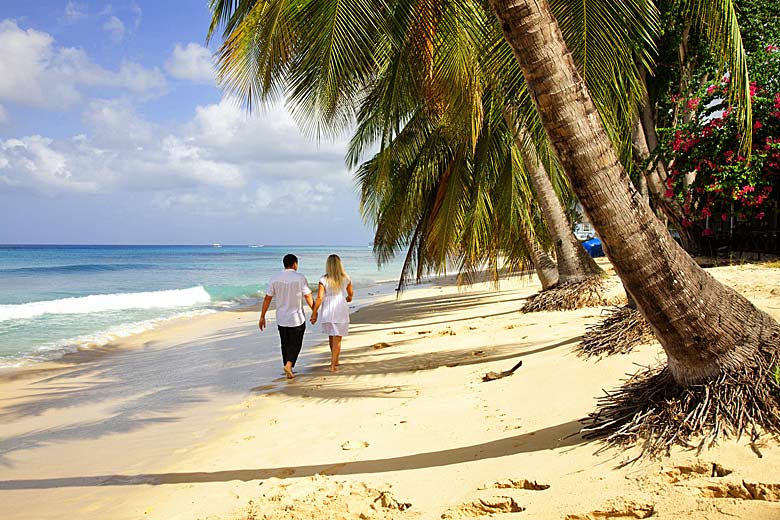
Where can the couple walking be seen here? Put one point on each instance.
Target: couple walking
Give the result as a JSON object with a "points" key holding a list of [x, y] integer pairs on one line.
{"points": [[289, 288]]}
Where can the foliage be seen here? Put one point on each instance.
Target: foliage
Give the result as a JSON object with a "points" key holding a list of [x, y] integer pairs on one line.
{"points": [[708, 173]]}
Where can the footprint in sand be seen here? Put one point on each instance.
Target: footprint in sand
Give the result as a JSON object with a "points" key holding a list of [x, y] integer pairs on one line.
{"points": [[484, 507], [354, 445], [447, 332], [380, 345], [618, 509], [398, 332], [510, 483], [421, 332]]}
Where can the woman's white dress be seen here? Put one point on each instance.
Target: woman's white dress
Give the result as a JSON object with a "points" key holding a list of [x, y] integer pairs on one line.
{"points": [[334, 313]]}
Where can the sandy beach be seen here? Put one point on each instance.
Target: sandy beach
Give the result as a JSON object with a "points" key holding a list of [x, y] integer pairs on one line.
{"points": [[194, 420]]}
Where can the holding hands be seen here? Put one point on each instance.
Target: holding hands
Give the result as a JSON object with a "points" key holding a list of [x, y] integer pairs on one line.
{"points": [[313, 319]]}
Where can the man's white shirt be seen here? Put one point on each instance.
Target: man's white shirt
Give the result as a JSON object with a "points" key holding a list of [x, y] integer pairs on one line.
{"points": [[288, 288]]}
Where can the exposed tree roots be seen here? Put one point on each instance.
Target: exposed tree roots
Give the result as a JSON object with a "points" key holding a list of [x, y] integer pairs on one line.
{"points": [[651, 409], [619, 332], [590, 292]]}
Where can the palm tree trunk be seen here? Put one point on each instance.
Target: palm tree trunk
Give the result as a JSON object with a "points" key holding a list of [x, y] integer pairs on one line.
{"points": [[574, 263], [545, 268], [704, 327]]}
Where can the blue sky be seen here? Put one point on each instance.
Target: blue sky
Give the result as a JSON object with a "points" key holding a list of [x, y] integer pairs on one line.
{"points": [[113, 130]]}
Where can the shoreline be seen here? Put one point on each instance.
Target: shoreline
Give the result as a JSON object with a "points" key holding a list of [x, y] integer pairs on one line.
{"points": [[197, 422], [79, 349]]}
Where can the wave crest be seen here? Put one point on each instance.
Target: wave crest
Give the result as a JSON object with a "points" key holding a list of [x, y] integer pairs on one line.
{"points": [[107, 302]]}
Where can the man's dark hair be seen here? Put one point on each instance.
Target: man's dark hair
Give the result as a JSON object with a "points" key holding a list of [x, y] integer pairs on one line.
{"points": [[289, 261]]}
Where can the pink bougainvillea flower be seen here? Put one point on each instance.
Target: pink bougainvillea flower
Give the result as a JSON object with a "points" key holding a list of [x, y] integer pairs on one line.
{"points": [[724, 217], [760, 216], [669, 193], [757, 125], [705, 212], [707, 232]]}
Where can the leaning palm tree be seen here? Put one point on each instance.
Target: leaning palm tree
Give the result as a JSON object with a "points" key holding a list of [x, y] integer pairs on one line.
{"points": [[721, 350], [306, 48]]}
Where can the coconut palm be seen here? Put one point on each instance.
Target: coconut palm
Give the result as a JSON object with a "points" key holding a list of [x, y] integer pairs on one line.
{"points": [[420, 48], [710, 333]]}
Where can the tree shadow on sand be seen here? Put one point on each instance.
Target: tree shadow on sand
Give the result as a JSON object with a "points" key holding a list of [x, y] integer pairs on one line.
{"points": [[559, 436]]}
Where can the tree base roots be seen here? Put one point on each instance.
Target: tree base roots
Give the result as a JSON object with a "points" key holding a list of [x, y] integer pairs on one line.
{"points": [[590, 292], [652, 410], [619, 332]]}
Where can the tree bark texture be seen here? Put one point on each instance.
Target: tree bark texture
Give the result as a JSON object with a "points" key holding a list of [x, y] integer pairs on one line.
{"points": [[574, 263], [545, 268], [704, 327]]}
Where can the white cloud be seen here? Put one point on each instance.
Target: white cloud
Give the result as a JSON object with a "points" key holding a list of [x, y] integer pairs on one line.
{"points": [[137, 16], [191, 62], [75, 11], [33, 161], [48, 76], [115, 121], [115, 29], [221, 162]]}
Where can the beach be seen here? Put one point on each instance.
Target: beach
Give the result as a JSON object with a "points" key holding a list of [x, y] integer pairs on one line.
{"points": [[194, 420]]}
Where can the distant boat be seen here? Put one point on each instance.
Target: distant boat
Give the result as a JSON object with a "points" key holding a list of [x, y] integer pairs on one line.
{"points": [[261, 245], [216, 245]]}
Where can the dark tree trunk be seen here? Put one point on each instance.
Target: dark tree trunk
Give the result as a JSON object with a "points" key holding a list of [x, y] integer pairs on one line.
{"points": [[704, 327]]}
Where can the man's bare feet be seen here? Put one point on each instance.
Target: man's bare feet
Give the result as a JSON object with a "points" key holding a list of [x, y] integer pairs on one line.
{"points": [[334, 369], [288, 372]]}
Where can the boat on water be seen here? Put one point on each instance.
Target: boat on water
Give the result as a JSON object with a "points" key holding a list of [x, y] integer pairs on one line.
{"points": [[216, 245]]}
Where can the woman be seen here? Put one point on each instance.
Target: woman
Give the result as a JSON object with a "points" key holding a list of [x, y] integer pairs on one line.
{"points": [[333, 295]]}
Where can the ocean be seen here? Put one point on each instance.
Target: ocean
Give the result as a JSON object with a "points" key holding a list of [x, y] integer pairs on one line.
{"points": [[54, 299]]}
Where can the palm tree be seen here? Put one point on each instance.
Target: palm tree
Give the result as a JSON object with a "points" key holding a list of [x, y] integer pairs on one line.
{"points": [[708, 331], [270, 44]]}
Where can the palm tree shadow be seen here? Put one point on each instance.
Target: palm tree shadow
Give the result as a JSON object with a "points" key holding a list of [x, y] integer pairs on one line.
{"points": [[553, 437]]}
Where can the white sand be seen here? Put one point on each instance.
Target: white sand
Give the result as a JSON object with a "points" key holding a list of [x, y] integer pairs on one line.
{"points": [[193, 421]]}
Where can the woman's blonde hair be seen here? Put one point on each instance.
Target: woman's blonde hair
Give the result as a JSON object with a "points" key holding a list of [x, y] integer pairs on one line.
{"points": [[334, 271]]}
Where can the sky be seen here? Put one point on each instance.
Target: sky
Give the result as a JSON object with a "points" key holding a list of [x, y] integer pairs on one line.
{"points": [[113, 130]]}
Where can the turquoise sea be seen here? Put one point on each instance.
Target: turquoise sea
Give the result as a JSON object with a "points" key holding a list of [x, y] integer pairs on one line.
{"points": [[54, 299]]}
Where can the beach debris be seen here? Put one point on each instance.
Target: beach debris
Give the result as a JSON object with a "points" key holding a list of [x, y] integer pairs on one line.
{"points": [[421, 332], [483, 507], [492, 376], [595, 291], [447, 332], [380, 345], [477, 352], [510, 483], [354, 445], [622, 329], [398, 332], [618, 509]]}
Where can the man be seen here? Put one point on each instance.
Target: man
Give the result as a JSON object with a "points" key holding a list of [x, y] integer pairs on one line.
{"points": [[288, 287]]}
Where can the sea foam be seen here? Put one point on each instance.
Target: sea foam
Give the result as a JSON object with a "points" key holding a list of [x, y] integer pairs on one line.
{"points": [[107, 302]]}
